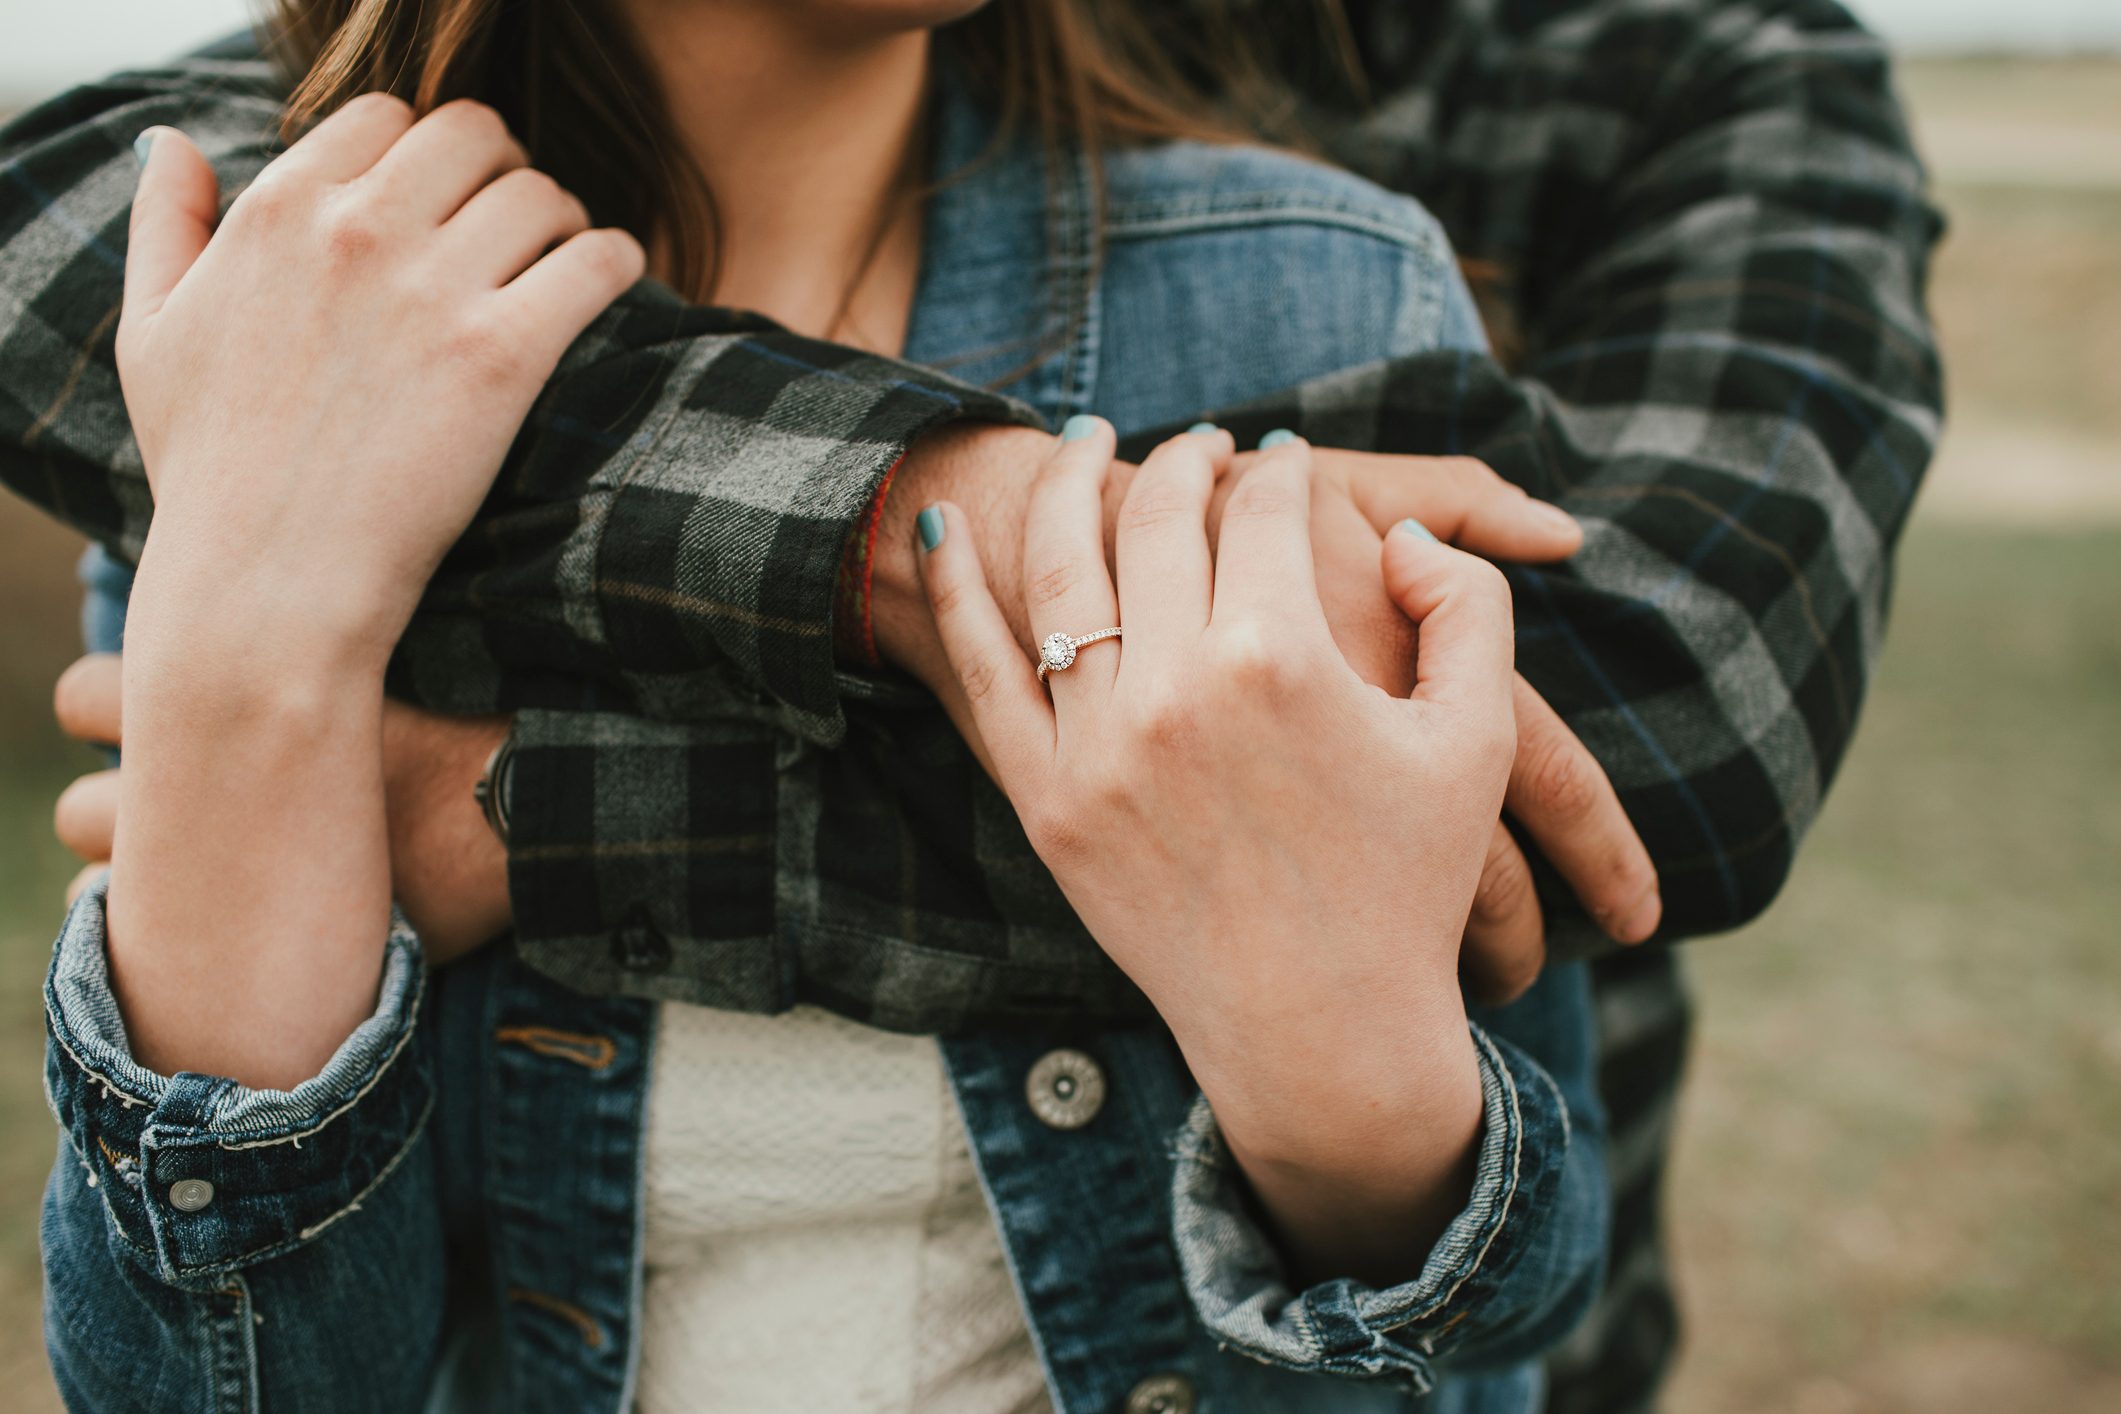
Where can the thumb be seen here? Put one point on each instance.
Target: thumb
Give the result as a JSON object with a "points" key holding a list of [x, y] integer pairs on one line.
{"points": [[172, 220], [1468, 632]]}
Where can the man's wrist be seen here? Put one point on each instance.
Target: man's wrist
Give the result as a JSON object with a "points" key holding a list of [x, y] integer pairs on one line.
{"points": [[986, 470]]}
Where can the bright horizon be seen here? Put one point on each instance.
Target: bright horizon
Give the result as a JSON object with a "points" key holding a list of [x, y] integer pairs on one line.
{"points": [[49, 45]]}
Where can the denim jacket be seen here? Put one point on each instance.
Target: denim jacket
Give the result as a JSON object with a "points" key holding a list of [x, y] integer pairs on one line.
{"points": [[449, 1215]]}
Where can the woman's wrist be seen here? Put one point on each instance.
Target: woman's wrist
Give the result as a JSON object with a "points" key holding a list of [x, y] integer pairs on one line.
{"points": [[250, 886], [209, 594], [1360, 1151]]}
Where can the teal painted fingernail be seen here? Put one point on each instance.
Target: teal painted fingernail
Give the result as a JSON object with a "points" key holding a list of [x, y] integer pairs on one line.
{"points": [[144, 144], [1279, 437], [1204, 429], [930, 525], [1079, 426], [1416, 529]]}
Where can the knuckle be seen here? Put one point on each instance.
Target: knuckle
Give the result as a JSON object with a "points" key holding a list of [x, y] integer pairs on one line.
{"points": [[487, 352], [1474, 473], [474, 118], [1557, 783], [538, 186], [1505, 889], [612, 255], [1105, 790], [1263, 494], [273, 200], [1248, 661], [380, 103], [946, 596], [1154, 506], [1047, 588], [1165, 720], [353, 233], [979, 675], [1057, 830], [1485, 578]]}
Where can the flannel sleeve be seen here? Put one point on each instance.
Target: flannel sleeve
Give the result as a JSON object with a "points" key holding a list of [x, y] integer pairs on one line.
{"points": [[1717, 234], [667, 532]]}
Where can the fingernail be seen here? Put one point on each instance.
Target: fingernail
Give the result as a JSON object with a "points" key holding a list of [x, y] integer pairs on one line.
{"points": [[144, 144], [1416, 529], [930, 525], [1644, 920], [1079, 426], [1279, 437], [1203, 429], [1554, 515]]}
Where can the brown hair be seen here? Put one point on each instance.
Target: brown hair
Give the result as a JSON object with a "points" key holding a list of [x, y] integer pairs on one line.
{"points": [[569, 78]]}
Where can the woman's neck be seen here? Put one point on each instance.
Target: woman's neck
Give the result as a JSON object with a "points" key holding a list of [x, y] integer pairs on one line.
{"points": [[809, 145]]}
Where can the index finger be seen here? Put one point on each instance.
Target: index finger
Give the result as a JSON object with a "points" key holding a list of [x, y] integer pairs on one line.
{"points": [[1461, 499]]}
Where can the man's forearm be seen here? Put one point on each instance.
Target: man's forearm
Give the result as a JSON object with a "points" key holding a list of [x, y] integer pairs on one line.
{"points": [[1740, 416]]}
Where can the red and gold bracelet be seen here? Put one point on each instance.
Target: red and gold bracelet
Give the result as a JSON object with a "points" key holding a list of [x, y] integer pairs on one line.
{"points": [[853, 607]]}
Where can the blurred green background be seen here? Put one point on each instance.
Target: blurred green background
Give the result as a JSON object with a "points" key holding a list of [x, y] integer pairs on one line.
{"points": [[1899, 1182]]}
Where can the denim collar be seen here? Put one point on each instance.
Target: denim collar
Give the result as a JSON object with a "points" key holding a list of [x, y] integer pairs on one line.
{"points": [[975, 315]]}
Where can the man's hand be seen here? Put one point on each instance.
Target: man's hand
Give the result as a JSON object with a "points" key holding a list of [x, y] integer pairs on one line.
{"points": [[448, 871], [1558, 792]]}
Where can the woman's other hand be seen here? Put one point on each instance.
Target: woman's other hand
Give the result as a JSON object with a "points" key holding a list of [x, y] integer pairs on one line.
{"points": [[1559, 794], [448, 870], [1281, 856], [324, 386]]}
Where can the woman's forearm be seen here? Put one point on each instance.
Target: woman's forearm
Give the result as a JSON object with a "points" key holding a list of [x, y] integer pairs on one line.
{"points": [[250, 883]]}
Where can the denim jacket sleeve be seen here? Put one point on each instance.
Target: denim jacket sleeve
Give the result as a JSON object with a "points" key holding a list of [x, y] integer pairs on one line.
{"points": [[1514, 1271], [187, 1216]]}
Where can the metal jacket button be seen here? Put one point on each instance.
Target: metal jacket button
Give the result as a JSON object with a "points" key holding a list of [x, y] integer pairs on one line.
{"points": [[1066, 1089], [1161, 1394], [189, 1195]]}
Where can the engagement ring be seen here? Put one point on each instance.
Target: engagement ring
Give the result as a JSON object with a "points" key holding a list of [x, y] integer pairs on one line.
{"points": [[1057, 653]]}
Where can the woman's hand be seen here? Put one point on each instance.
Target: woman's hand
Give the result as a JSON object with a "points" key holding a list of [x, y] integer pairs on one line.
{"points": [[1558, 792], [1280, 855], [323, 387], [448, 870]]}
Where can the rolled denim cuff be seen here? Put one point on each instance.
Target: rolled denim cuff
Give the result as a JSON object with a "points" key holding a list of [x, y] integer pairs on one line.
{"points": [[201, 1176], [1239, 1288]]}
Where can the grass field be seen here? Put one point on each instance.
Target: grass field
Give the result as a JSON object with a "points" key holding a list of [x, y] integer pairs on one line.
{"points": [[1899, 1185]]}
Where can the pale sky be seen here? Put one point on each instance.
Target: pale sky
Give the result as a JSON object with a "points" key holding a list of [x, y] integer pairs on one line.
{"points": [[46, 44]]}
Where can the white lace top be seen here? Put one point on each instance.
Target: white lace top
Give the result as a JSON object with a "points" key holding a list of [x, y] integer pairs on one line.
{"points": [[816, 1237]]}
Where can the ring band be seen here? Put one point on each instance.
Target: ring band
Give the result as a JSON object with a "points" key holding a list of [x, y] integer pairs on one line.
{"points": [[1057, 653]]}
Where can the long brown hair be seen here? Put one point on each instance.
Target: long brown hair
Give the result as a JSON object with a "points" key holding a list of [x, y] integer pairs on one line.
{"points": [[571, 81]]}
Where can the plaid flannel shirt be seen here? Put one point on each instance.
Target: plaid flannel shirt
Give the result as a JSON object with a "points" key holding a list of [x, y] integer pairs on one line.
{"points": [[1716, 236]]}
